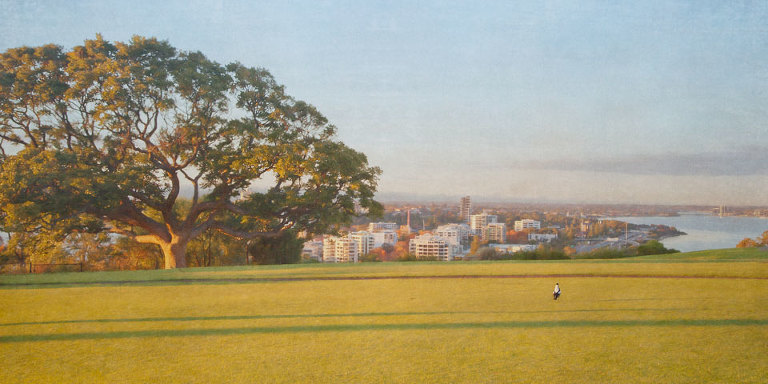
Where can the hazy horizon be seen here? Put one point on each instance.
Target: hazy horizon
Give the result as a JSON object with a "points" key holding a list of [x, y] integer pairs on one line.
{"points": [[655, 102]]}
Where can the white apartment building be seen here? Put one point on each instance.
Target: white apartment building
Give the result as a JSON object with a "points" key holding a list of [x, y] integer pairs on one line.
{"points": [[527, 224], [495, 233], [365, 241], [313, 250], [384, 237], [456, 234], [378, 227], [340, 250], [480, 221], [431, 246], [512, 248], [542, 237]]}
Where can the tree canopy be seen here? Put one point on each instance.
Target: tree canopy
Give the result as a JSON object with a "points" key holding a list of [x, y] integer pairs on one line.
{"points": [[107, 135]]}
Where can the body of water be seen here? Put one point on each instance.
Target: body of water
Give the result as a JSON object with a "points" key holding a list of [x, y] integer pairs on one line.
{"points": [[705, 231]]}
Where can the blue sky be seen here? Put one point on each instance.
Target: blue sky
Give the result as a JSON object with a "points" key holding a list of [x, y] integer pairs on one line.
{"points": [[569, 101]]}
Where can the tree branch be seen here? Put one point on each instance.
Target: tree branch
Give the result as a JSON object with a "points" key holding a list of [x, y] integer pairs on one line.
{"points": [[128, 213], [248, 235]]}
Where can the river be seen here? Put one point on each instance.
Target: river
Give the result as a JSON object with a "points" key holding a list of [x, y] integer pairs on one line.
{"points": [[705, 231]]}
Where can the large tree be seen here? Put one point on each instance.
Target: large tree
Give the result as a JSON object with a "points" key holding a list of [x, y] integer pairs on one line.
{"points": [[113, 132]]}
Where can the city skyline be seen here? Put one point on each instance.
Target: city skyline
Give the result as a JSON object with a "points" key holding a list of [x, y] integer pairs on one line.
{"points": [[652, 103]]}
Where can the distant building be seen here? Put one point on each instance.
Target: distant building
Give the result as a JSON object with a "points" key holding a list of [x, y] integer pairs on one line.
{"points": [[365, 241], [584, 227], [313, 250], [512, 248], [377, 227], [456, 234], [340, 250], [384, 237], [465, 209], [431, 247], [480, 221], [542, 237], [495, 233], [406, 229], [527, 224]]}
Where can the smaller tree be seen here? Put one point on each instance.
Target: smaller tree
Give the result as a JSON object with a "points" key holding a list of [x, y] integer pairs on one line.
{"points": [[130, 254], [763, 239], [747, 243], [486, 253], [376, 255], [475, 246], [90, 248], [401, 249]]}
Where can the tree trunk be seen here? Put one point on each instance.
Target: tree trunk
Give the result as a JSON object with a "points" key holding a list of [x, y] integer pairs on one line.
{"points": [[175, 252]]}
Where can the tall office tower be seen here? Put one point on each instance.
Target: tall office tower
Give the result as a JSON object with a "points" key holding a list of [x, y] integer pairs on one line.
{"points": [[465, 209]]}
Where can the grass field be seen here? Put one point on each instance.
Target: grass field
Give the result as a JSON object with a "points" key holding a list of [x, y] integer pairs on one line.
{"points": [[685, 318]]}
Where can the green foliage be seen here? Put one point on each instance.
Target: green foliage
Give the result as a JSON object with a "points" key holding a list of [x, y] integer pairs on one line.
{"points": [[132, 255], [370, 258], [411, 257], [653, 247], [607, 253], [541, 253], [27, 247], [282, 249], [213, 248], [91, 248]]}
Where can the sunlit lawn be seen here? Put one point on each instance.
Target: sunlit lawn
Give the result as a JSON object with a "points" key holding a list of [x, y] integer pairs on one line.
{"points": [[603, 329]]}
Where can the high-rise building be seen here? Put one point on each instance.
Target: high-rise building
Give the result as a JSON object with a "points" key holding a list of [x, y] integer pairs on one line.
{"points": [[480, 221], [465, 209], [495, 233]]}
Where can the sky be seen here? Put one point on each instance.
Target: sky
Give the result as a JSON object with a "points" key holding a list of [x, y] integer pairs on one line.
{"points": [[650, 102]]}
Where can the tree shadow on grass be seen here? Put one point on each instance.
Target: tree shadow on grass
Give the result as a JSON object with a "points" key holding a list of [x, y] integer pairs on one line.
{"points": [[320, 315], [269, 280], [379, 327], [234, 317]]}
